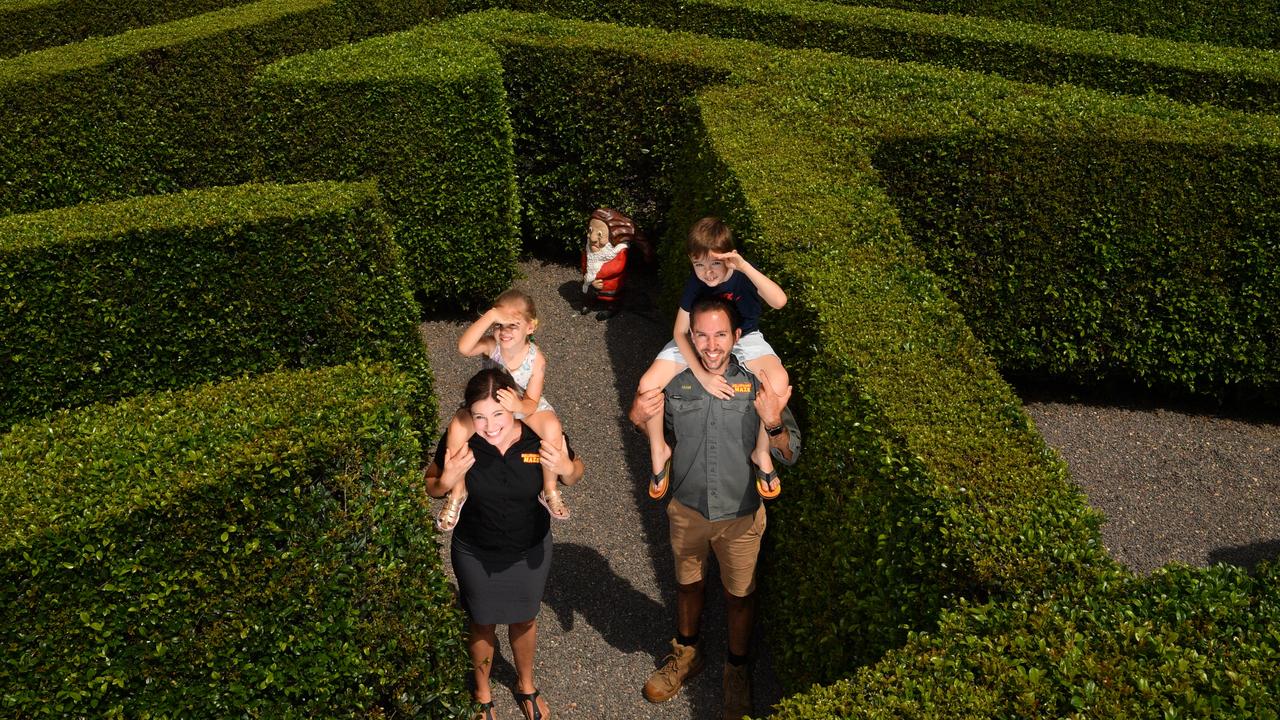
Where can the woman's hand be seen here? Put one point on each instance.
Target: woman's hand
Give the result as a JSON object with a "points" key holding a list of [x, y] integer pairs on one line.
{"points": [[456, 464], [555, 459]]}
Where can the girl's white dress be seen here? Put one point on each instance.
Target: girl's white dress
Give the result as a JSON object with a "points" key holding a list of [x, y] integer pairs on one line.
{"points": [[521, 374]]}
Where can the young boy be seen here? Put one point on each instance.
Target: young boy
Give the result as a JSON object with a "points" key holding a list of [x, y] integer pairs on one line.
{"points": [[718, 271]]}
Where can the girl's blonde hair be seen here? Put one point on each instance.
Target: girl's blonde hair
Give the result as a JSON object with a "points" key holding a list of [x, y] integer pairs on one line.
{"points": [[709, 235], [513, 297]]}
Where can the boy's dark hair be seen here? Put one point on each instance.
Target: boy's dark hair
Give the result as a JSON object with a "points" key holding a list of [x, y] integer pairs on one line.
{"points": [[713, 303], [486, 384], [710, 234]]}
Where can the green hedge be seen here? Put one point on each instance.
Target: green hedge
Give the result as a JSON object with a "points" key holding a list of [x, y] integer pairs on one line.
{"points": [[259, 548], [159, 109], [38, 24], [1231, 22], [1149, 261], [1233, 77], [427, 116], [1182, 643], [105, 301], [928, 482]]}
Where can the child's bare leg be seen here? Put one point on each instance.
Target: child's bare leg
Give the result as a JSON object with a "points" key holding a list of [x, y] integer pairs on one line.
{"points": [[769, 367], [657, 376], [774, 377], [547, 426], [767, 483], [460, 430]]}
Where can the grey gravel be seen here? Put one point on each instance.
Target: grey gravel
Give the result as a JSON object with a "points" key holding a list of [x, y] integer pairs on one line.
{"points": [[1176, 487]]}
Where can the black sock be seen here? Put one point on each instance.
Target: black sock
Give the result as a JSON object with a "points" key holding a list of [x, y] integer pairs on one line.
{"points": [[687, 640], [737, 660]]}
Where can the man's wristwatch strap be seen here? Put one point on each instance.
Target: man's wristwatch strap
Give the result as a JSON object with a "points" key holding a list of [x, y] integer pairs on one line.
{"points": [[773, 431]]}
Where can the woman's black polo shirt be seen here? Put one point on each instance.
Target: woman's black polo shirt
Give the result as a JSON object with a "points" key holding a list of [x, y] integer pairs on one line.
{"points": [[502, 518]]}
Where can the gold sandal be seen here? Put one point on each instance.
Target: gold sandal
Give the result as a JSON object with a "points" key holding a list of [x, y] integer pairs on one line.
{"points": [[554, 503], [451, 512]]}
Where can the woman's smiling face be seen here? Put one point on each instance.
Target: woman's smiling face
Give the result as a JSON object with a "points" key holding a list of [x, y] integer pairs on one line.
{"points": [[493, 422]]}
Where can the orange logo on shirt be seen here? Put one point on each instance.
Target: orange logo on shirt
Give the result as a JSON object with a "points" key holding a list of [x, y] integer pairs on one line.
{"points": [[742, 387], [532, 458]]}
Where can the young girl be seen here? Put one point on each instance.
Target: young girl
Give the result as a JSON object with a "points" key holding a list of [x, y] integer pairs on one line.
{"points": [[502, 337], [718, 270]]}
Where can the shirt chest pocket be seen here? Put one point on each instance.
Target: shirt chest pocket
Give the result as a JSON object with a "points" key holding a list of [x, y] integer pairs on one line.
{"points": [[738, 413]]}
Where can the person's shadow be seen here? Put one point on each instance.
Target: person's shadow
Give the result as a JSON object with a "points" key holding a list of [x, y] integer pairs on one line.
{"points": [[583, 583]]}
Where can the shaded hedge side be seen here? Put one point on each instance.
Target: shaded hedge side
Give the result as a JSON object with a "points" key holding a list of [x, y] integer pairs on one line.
{"points": [[1184, 642], [105, 301], [427, 115], [1147, 262], [1239, 78], [258, 548]]}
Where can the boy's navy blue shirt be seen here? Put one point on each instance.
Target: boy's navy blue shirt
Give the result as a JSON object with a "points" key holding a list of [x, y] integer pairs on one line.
{"points": [[737, 289]]}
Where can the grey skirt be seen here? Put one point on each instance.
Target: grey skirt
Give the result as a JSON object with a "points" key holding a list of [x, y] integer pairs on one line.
{"points": [[501, 592]]}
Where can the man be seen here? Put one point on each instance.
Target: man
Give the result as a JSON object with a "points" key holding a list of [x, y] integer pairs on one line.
{"points": [[715, 507]]}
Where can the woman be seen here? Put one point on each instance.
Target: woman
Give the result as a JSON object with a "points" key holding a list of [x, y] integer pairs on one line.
{"points": [[501, 549]]}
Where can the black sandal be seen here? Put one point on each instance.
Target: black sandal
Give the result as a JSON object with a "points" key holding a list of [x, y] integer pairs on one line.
{"points": [[532, 699], [485, 712], [659, 482]]}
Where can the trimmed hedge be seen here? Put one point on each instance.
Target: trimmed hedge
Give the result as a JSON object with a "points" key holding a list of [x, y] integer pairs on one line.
{"points": [[1182, 643], [426, 114], [259, 548], [1233, 22], [154, 110], [38, 24], [1152, 262], [1233, 77], [105, 301]]}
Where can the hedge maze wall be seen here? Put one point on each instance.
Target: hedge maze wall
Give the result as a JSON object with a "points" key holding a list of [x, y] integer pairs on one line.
{"points": [[944, 198]]}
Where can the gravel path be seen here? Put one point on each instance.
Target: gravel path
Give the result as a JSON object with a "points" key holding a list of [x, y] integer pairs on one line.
{"points": [[1176, 486]]}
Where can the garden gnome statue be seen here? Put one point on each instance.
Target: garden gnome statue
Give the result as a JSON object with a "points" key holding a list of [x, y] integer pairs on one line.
{"points": [[604, 261]]}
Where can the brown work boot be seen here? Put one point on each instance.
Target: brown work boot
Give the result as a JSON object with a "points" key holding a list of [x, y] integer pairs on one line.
{"points": [[737, 692], [683, 663]]}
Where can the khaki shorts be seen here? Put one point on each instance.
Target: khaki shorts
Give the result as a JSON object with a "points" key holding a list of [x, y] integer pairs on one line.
{"points": [[735, 542]]}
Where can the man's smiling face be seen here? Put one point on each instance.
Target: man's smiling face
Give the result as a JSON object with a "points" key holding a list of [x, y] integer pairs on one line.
{"points": [[713, 338]]}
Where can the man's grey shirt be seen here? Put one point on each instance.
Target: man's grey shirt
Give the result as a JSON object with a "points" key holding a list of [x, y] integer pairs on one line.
{"points": [[712, 440]]}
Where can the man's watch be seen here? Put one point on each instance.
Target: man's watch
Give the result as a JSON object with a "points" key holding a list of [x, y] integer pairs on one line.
{"points": [[773, 431]]}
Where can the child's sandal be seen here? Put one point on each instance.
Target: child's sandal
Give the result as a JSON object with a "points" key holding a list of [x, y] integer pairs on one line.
{"points": [[554, 503], [451, 512], [659, 483], [767, 484]]}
